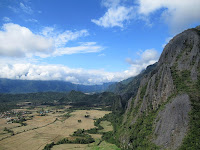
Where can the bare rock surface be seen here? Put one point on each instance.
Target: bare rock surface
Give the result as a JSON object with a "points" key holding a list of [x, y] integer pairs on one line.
{"points": [[173, 122]]}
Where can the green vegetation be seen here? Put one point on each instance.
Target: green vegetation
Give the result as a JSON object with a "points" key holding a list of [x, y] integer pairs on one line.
{"points": [[107, 126], [143, 91], [49, 146], [181, 79], [192, 140], [32, 86], [4, 106], [32, 97], [140, 132], [183, 83], [87, 116], [10, 101], [116, 120], [103, 145], [68, 114], [129, 87], [80, 137], [79, 132], [9, 131], [157, 80], [77, 99], [136, 109]]}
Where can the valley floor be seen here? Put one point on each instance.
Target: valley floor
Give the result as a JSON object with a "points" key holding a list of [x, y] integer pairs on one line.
{"points": [[48, 124]]}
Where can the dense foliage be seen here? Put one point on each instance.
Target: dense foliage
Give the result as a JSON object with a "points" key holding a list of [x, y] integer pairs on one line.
{"points": [[80, 137], [79, 99], [32, 97]]}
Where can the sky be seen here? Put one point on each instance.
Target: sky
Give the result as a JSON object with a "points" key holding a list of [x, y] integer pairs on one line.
{"points": [[88, 41]]}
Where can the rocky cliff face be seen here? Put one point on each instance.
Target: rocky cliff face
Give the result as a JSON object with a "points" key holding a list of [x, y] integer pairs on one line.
{"points": [[128, 88], [158, 116]]}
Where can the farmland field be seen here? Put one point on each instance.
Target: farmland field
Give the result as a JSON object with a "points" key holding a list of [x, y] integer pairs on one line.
{"points": [[51, 127]]}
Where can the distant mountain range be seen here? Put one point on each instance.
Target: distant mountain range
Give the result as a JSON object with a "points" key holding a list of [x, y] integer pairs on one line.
{"points": [[33, 86]]}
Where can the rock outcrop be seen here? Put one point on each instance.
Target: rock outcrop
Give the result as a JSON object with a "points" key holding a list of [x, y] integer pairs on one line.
{"points": [[159, 113]]}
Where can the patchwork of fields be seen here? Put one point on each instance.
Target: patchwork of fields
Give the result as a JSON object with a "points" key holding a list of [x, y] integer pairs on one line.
{"points": [[51, 127]]}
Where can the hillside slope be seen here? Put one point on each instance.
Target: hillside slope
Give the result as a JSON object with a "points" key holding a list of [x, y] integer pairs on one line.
{"points": [[99, 99], [33, 86], [128, 88], [165, 113]]}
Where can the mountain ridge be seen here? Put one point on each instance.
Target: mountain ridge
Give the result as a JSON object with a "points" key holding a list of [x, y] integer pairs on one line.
{"points": [[33, 86], [164, 113]]}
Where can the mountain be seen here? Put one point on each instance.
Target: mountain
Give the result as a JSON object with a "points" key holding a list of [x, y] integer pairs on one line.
{"points": [[128, 88], [33, 86], [77, 98], [165, 111]]}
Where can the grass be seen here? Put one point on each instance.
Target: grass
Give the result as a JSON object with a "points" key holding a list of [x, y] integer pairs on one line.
{"points": [[107, 126], [103, 146], [38, 136]]}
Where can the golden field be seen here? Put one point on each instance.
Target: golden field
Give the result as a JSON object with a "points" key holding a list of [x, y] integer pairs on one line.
{"points": [[42, 130]]}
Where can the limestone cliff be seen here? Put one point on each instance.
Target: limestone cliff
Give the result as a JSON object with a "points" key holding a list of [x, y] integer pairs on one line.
{"points": [[158, 116]]}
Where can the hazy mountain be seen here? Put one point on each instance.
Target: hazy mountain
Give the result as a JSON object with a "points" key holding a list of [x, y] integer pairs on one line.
{"points": [[31, 86]]}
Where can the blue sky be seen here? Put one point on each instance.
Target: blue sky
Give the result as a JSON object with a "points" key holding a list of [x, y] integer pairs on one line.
{"points": [[90, 41]]}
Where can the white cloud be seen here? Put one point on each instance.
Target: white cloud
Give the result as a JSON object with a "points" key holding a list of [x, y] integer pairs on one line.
{"points": [[32, 20], [63, 38], [88, 47], [25, 8], [111, 3], [6, 19], [115, 16], [18, 41], [147, 57], [29, 71], [178, 14]]}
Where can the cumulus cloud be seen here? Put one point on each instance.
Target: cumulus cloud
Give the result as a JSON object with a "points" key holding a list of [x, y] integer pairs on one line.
{"points": [[29, 71], [18, 41], [147, 57], [178, 14], [58, 72], [116, 14]]}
